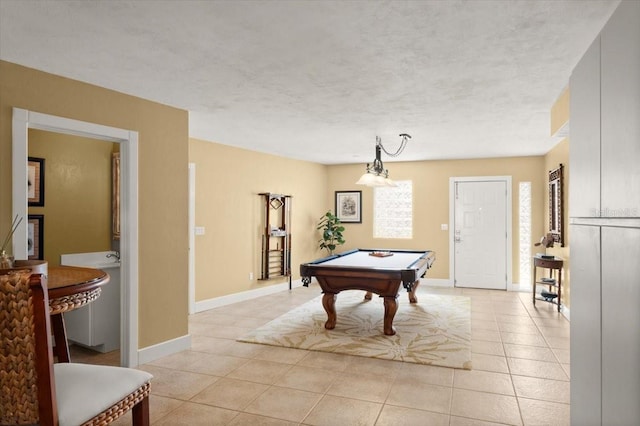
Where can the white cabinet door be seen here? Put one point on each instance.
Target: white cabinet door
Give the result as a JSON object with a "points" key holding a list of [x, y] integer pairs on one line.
{"points": [[78, 325], [97, 325], [620, 122], [584, 155], [585, 325], [620, 326]]}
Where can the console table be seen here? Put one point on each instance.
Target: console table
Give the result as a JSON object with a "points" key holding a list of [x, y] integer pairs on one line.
{"points": [[553, 282]]}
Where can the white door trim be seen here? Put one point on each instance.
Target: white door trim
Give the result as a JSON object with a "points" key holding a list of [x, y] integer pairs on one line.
{"points": [[509, 214], [23, 120], [192, 238]]}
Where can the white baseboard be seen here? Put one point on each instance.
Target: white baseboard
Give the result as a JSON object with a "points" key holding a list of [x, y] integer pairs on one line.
{"points": [[242, 296], [436, 282], [523, 288], [566, 313], [443, 282], [170, 347]]}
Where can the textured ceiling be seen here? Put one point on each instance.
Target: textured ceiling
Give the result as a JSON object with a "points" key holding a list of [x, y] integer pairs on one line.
{"points": [[318, 80]]}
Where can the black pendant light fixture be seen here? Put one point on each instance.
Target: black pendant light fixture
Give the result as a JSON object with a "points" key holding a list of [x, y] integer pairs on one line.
{"points": [[376, 174]]}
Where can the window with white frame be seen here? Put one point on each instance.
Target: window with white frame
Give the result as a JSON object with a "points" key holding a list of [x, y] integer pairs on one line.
{"points": [[525, 232], [393, 210]]}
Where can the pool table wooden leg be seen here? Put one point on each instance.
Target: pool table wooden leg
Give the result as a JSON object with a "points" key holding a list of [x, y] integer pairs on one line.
{"points": [[412, 294], [329, 304], [390, 308]]}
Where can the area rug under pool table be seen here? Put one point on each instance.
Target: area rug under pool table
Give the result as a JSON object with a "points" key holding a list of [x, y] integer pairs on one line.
{"points": [[435, 331]]}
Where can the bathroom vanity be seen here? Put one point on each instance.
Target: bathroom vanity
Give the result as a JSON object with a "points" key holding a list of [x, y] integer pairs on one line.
{"points": [[96, 325]]}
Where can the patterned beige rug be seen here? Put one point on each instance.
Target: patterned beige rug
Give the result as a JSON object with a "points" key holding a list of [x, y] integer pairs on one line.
{"points": [[435, 331]]}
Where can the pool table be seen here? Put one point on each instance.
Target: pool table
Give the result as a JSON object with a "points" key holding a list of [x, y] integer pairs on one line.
{"points": [[374, 271]]}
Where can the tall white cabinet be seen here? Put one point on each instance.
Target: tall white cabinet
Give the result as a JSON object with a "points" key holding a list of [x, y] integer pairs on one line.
{"points": [[604, 210]]}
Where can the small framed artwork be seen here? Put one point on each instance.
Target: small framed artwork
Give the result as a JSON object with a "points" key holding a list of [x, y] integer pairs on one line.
{"points": [[349, 206], [35, 181], [35, 237]]}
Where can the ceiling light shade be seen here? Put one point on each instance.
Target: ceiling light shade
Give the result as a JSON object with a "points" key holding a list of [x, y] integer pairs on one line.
{"points": [[376, 174], [389, 182], [380, 180], [367, 179]]}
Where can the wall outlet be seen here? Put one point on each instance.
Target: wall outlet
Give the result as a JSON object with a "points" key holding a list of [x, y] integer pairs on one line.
{"points": [[444, 227], [251, 276], [199, 230]]}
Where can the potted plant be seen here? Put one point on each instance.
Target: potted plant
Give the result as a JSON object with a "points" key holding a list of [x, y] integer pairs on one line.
{"points": [[332, 230]]}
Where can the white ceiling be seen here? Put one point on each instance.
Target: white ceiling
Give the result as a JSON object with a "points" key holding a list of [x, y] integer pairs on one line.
{"points": [[318, 80]]}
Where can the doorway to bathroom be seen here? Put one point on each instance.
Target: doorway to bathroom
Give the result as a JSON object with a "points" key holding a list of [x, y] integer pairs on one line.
{"points": [[23, 121]]}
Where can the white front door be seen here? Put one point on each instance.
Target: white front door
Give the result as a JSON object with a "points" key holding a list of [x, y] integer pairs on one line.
{"points": [[480, 234]]}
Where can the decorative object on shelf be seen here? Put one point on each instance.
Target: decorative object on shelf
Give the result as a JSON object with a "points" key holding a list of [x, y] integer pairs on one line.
{"points": [[546, 241], [332, 230], [556, 205], [35, 181], [376, 174], [349, 206], [276, 238], [35, 237], [545, 256], [6, 261], [277, 232]]}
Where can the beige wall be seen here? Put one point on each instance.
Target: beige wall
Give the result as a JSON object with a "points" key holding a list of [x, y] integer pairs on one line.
{"points": [[560, 111], [431, 202], [78, 174], [162, 178], [228, 181]]}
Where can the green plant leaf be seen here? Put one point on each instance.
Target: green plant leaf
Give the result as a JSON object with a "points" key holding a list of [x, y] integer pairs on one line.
{"points": [[332, 230]]}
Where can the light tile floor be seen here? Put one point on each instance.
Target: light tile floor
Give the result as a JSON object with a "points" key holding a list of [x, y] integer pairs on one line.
{"points": [[520, 374]]}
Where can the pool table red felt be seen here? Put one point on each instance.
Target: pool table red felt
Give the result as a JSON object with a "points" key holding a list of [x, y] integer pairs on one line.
{"points": [[358, 270]]}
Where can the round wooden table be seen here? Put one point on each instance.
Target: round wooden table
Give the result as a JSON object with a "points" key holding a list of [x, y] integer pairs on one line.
{"points": [[70, 287]]}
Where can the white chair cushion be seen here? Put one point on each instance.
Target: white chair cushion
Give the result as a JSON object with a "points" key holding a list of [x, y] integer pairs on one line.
{"points": [[83, 391]]}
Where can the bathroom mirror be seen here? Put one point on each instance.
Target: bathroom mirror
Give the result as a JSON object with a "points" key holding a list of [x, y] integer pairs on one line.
{"points": [[115, 195], [555, 205]]}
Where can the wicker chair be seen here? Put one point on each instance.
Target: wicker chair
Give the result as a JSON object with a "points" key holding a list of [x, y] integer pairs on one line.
{"points": [[34, 390]]}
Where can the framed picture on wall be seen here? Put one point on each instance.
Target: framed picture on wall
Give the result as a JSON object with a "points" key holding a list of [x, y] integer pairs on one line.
{"points": [[35, 237], [35, 181], [349, 206]]}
